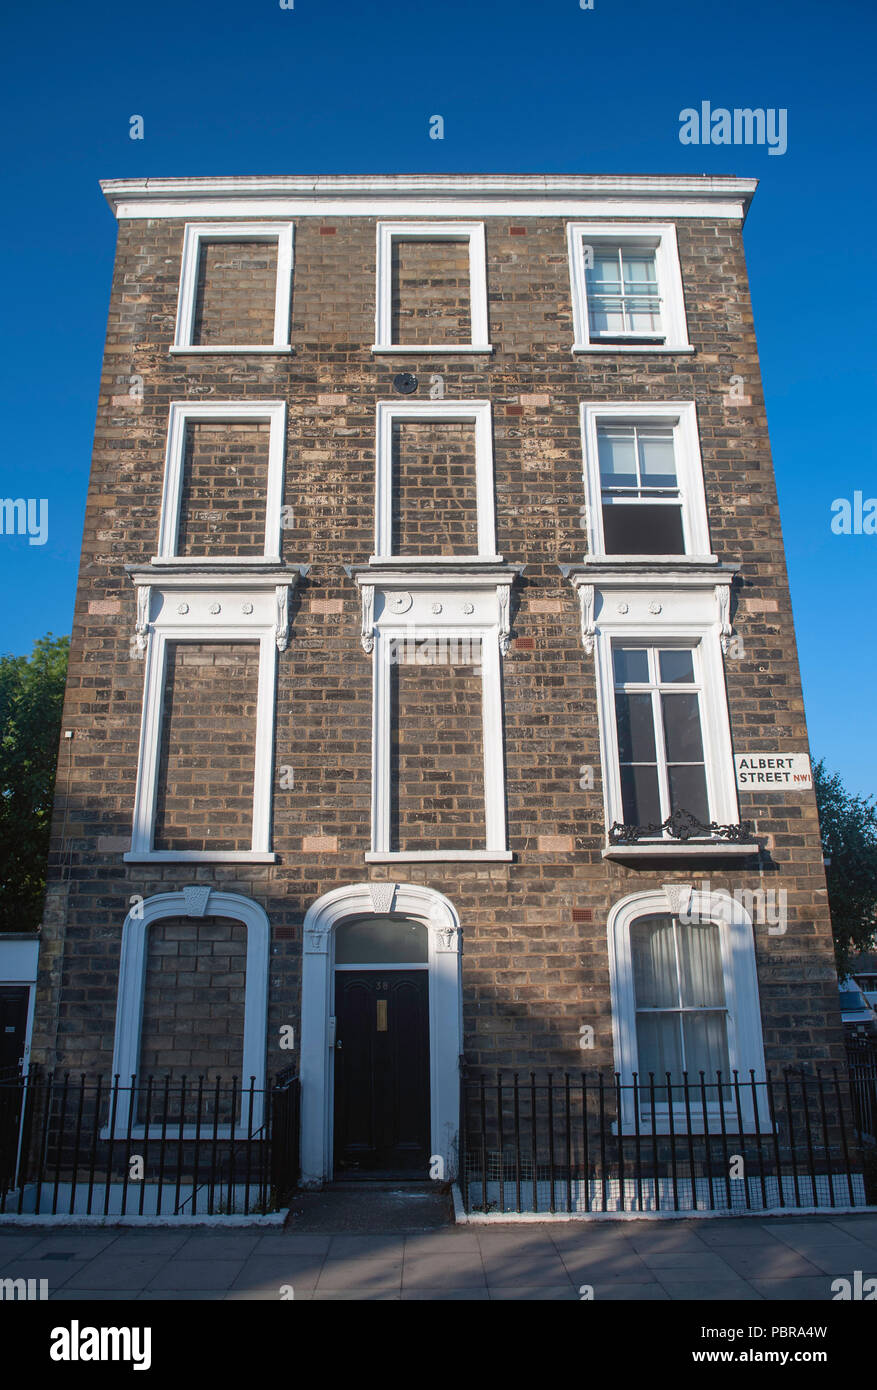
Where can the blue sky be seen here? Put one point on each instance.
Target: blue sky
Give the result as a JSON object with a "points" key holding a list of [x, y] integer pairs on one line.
{"points": [[335, 86]]}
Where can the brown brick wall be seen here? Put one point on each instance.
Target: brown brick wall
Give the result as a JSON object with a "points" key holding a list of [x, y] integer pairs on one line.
{"points": [[193, 1000], [225, 479], [434, 502], [436, 769], [204, 796], [431, 301], [531, 975], [235, 293]]}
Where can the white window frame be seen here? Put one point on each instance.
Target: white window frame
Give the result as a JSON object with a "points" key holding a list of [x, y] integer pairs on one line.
{"points": [[194, 235], [195, 901], [164, 622], [450, 412], [473, 232], [659, 236], [384, 624], [182, 413], [740, 976], [682, 626], [654, 687], [681, 416]]}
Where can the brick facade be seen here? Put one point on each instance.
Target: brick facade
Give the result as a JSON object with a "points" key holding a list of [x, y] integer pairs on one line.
{"points": [[534, 970]]}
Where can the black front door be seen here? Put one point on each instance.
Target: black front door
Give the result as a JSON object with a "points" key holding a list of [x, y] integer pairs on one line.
{"points": [[382, 1073], [13, 1025]]}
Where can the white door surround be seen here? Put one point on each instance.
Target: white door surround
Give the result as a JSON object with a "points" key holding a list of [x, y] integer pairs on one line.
{"points": [[317, 1005]]}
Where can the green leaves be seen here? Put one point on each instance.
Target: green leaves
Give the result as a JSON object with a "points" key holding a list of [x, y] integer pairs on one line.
{"points": [[31, 699], [849, 840]]}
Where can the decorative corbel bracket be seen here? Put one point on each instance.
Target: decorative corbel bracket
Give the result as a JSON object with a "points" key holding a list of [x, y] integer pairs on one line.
{"points": [[723, 604], [504, 598], [367, 630], [281, 625], [586, 608], [141, 626]]}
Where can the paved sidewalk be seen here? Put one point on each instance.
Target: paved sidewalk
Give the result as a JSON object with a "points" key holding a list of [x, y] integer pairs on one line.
{"points": [[748, 1259]]}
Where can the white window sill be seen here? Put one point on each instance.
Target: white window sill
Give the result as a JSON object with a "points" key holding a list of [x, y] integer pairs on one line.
{"points": [[412, 561], [429, 349], [680, 849], [198, 348], [198, 856], [640, 560], [216, 560], [434, 856], [632, 347]]}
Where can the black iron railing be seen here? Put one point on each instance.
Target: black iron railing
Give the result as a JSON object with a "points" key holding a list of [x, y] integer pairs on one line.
{"points": [[76, 1145], [580, 1143], [862, 1060]]}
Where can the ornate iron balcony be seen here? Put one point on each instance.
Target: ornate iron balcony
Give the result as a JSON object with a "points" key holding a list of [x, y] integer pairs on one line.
{"points": [[681, 825]]}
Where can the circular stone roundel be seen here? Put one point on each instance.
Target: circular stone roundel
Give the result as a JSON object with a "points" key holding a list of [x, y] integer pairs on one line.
{"points": [[399, 603], [405, 383]]}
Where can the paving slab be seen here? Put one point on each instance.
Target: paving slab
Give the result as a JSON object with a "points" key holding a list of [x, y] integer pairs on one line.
{"points": [[470, 1294], [287, 1243], [535, 1293], [274, 1272], [76, 1243], [437, 1271], [362, 1273], [219, 1246], [197, 1274], [794, 1290], [711, 1290], [13, 1246], [388, 1247], [766, 1262], [131, 1272], [617, 1292], [692, 1262]]}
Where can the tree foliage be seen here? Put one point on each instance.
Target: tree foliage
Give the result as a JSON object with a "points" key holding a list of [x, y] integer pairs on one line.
{"points": [[31, 698], [849, 842]]}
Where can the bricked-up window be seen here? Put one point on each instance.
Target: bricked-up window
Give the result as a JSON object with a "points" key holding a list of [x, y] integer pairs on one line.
{"points": [[643, 478], [435, 502], [626, 288], [434, 487], [193, 1012], [234, 296], [431, 287], [659, 734], [204, 793], [223, 483], [224, 489], [436, 755], [431, 302], [235, 287]]}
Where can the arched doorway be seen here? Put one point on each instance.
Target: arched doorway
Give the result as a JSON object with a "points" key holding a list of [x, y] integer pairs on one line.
{"points": [[381, 976]]}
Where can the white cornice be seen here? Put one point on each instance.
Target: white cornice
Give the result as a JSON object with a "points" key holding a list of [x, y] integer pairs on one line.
{"points": [[666, 195]]}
